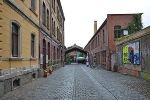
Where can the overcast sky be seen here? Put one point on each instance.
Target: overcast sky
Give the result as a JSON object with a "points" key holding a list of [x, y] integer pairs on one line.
{"points": [[80, 16]]}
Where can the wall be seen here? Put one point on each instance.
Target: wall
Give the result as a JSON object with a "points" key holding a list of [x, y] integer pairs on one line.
{"points": [[140, 67], [12, 68]]}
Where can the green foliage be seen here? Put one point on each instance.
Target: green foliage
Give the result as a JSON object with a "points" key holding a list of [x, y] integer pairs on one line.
{"points": [[81, 55], [49, 61], [135, 25], [67, 57]]}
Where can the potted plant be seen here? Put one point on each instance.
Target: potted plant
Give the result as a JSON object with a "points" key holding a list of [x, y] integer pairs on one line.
{"points": [[45, 73]]}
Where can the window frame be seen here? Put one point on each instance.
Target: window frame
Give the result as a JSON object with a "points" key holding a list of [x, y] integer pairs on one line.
{"points": [[19, 40], [44, 14], [33, 5], [34, 45], [48, 50], [48, 19], [103, 36], [117, 29]]}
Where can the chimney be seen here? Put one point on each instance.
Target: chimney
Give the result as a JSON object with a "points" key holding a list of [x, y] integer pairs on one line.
{"points": [[95, 26]]}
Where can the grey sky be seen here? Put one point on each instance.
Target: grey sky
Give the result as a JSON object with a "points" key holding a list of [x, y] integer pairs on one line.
{"points": [[80, 16]]}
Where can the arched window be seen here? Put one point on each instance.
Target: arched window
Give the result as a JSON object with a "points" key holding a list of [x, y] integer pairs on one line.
{"points": [[48, 51], [33, 45], [44, 14], [47, 18], [103, 37], [117, 32], [54, 28], [15, 39]]}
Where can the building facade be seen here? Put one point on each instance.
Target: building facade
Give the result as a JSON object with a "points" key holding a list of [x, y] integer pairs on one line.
{"points": [[57, 25], [19, 35], [31, 39], [73, 54], [133, 54], [51, 33], [102, 45]]}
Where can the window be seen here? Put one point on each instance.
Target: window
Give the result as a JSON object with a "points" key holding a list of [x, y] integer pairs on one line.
{"points": [[54, 5], [98, 40], [54, 28], [117, 32], [33, 45], [33, 6], [57, 32], [48, 51], [15, 40], [58, 13], [47, 18], [44, 14], [54, 54], [103, 37]]}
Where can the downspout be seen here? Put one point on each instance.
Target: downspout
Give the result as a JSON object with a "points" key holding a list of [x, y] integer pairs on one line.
{"points": [[107, 47]]}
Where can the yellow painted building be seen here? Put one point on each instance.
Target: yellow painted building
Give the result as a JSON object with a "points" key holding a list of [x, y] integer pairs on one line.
{"points": [[19, 43]]}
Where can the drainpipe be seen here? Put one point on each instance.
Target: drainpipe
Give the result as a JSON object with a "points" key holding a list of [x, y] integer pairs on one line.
{"points": [[107, 45]]}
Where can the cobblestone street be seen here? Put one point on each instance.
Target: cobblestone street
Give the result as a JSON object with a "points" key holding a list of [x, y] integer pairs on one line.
{"points": [[78, 82]]}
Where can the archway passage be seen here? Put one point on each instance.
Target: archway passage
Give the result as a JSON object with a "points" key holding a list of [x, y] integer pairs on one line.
{"points": [[72, 54]]}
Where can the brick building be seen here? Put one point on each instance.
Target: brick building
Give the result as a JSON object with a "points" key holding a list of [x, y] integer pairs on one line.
{"points": [[102, 45], [133, 54], [73, 53], [51, 33]]}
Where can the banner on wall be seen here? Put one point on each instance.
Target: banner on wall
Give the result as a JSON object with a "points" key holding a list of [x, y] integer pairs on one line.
{"points": [[125, 54], [131, 53]]}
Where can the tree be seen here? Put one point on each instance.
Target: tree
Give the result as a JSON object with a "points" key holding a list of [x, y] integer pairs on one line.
{"points": [[81, 55]]}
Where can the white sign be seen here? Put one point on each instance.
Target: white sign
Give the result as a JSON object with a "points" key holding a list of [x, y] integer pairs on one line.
{"points": [[125, 32], [46, 58], [41, 58]]}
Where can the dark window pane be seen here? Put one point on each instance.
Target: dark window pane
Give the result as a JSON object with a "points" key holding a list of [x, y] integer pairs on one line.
{"points": [[32, 44], [15, 38]]}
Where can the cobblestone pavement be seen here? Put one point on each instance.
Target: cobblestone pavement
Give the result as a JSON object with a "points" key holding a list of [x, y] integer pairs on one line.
{"points": [[78, 82]]}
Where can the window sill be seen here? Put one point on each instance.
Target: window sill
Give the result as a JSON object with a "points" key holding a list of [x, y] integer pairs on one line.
{"points": [[33, 11], [15, 58], [33, 58]]}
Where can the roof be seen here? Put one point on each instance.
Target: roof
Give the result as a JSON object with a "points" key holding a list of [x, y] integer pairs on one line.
{"points": [[105, 21], [75, 48]]}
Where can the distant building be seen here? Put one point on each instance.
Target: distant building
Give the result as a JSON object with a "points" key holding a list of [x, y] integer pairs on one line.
{"points": [[102, 44], [74, 52]]}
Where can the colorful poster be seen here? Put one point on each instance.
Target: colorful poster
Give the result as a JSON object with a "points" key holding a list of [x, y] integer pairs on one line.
{"points": [[125, 54], [136, 54], [131, 53]]}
